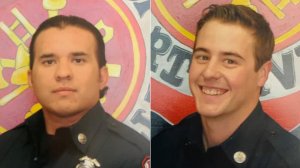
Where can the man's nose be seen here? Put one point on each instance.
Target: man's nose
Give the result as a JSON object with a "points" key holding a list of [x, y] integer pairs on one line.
{"points": [[63, 71], [212, 70]]}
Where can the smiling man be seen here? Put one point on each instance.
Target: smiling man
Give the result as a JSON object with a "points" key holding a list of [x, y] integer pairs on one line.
{"points": [[68, 75], [229, 66]]}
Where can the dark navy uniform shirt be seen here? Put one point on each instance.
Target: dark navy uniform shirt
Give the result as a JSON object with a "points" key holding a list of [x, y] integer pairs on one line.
{"points": [[97, 135], [259, 142]]}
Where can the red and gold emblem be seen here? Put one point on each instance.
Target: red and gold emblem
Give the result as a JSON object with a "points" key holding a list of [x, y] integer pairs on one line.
{"points": [[177, 21], [125, 53]]}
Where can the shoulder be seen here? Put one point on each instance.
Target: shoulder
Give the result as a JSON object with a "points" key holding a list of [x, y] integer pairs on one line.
{"points": [[286, 145], [177, 131], [12, 139], [19, 138], [124, 141], [13, 133], [170, 142], [126, 134]]}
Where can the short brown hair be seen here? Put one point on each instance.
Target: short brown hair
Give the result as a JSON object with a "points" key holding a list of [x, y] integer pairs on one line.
{"points": [[246, 17]]}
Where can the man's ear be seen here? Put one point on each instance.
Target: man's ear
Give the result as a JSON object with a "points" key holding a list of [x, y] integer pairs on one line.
{"points": [[103, 72], [263, 73], [29, 78]]}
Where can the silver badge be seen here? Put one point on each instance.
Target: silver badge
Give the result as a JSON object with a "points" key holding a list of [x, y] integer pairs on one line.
{"points": [[239, 157], [86, 162]]}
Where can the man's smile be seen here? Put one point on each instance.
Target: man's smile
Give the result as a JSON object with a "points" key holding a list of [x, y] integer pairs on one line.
{"points": [[212, 91]]}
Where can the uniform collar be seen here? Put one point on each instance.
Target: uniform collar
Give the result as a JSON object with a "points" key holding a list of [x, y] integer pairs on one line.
{"points": [[244, 139], [80, 134], [194, 132], [87, 127]]}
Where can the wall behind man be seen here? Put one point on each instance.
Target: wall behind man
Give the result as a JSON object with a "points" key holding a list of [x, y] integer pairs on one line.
{"points": [[172, 38], [125, 26]]}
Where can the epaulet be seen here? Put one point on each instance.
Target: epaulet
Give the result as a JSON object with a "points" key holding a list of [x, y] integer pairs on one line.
{"points": [[190, 117], [177, 130], [10, 137], [13, 132], [285, 144], [188, 120], [13, 136], [128, 134]]}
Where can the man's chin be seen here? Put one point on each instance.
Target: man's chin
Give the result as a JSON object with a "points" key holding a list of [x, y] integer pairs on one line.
{"points": [[63, 112], [209, 111], [66, 114], [209, 114]]}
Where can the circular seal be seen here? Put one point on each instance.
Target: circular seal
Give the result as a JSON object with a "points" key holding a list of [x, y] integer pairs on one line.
{"points": [[179, 19], [173, 16], [124, 43]]}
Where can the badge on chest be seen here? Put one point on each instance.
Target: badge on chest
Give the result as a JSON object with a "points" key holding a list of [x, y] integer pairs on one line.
{"points": [[87, 162]]}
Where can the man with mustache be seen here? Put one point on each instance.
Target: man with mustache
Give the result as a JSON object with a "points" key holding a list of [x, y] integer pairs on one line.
{"points": [[230, 64], [68, 75]]}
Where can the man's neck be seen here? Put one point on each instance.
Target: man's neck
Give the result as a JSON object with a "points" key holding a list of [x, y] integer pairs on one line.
{"points": [[218, 129], [54, 122]]}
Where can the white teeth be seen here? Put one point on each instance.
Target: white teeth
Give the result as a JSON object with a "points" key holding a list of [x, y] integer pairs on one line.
{"points": [[211, 91]]}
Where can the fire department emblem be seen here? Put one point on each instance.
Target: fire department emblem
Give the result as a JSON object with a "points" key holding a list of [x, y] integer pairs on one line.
{"points": [[173, 29], [125, 53]]}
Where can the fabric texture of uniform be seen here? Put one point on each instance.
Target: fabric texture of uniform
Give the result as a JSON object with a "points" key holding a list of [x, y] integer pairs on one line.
{"points": [[97, 135], [259, 142]]}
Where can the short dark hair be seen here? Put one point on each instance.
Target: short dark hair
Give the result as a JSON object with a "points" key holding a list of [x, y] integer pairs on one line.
{"points": [[249, 19], [62, 21]]}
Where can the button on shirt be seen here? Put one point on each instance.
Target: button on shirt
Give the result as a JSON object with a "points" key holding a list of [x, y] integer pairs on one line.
{"points": [[259, 142]]}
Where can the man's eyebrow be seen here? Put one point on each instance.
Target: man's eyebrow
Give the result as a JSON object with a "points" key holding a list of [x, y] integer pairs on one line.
{"points": [[234, 54], [44, 56], [79, 53], [199, 49], [51, 55], [224, 53]]}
